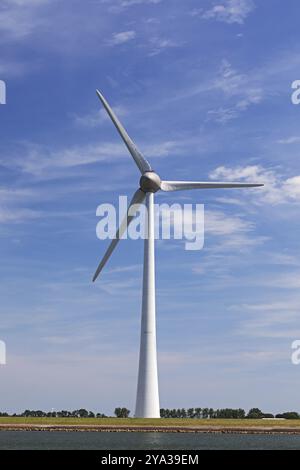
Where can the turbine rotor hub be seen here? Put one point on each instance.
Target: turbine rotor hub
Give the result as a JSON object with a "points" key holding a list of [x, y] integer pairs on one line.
{"points": [[150, 182]]}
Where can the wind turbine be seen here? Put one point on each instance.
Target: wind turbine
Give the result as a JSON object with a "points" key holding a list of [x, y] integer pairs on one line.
{"points": [[147, 399]]}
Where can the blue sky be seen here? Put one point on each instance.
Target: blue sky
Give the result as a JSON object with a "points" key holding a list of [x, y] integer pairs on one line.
{"points": [[204, 89]]}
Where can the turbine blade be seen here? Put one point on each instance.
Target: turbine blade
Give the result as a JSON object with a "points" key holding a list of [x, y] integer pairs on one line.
{"points": [[139, 159], [137, 199], [181, 185]]}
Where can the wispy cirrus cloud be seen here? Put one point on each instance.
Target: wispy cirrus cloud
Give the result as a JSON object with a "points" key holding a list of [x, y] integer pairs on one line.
{"points": [[27, 3], [12, 68], [48, 163], [229, 11], [229, 232], [15, 215], [130, 3], [235, 233], [12, 203], [221, 224], [122, 37], [295, 139], [9, 194], [158, 45], [19, 18], [269, 319], [120, 5], [239, 90], [96, 118], [41, 161]]}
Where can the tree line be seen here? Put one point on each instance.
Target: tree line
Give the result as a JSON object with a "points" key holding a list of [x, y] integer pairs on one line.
{"points": [[223, 413], [192, 413], [81, 413]]}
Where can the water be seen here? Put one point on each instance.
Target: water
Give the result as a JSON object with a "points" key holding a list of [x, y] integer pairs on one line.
{"points": [[132, 441]]}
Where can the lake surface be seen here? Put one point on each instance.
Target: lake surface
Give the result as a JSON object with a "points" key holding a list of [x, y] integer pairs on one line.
{"points": [[145, 441]]}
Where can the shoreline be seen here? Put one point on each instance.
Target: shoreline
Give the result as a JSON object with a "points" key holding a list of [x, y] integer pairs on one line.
{"points": [[136, 428]]}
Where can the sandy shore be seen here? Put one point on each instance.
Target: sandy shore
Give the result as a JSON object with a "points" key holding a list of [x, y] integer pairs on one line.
{"points": [[170, 429]]}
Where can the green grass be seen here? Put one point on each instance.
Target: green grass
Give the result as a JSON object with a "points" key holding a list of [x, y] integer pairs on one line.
{"points": [[154, 422]]}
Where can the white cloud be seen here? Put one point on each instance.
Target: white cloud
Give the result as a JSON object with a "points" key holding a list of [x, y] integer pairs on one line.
{"points": [[96, 118], [158, 45], [11, 68], [8, 195], [13, 215], [237, 88], [289, 280], [230, 200], [10, 199], [38, 162], [219, 223], [18, 18], [277, 190], [239, 172], [121, 38], [222, 115], [120, 5], [270, 307], [28, 3], [163, 149], [234, 233], [130, 3], [275, 319], [230, 11], [45, 163], [196, 11], [229, 80], [92, 119], [289, 140], [292, 187]]}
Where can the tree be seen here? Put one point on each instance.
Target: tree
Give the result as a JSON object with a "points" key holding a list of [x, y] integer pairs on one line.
{"points": [[122, 412], [118, 412], [288, 415], [83, 413], [191, 412], [255, 413]]}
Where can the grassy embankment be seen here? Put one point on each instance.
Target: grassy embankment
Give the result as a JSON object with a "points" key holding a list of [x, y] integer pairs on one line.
{"points": [[244, 423]]}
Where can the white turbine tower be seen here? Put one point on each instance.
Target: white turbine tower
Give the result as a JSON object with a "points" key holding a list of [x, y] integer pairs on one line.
{"points": [[147, 399]]}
